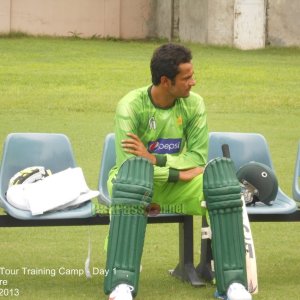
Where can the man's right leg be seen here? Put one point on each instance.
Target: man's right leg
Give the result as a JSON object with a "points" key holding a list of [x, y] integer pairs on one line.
{"points": [[131, 194]]}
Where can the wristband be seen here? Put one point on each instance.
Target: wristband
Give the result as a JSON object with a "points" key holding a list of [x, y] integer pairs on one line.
{"points": [[173, 175]]}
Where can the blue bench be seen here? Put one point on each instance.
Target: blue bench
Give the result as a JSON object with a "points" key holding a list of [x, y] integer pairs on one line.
{"points": [[54, 151]]}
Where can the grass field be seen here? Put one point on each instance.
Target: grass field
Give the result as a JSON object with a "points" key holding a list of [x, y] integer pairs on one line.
{"points": [[72, 86]]}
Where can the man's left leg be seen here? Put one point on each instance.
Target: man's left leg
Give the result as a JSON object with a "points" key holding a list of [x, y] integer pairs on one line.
{"points": [[223, 199]]}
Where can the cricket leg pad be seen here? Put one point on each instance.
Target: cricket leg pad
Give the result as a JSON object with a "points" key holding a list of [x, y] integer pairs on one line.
{"points": [[131, 194], [222, 193]]}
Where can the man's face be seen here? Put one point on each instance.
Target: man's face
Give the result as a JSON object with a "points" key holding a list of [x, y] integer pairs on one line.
{"points": [[183, 81]]}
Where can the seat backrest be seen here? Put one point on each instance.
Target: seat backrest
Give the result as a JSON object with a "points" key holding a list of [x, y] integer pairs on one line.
{"points": [[296, 187], [21, 150], [107, 162], [244, 147]]}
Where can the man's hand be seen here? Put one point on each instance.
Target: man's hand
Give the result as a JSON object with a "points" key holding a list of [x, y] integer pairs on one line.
{"points": [[188, 175], [135, 146]]}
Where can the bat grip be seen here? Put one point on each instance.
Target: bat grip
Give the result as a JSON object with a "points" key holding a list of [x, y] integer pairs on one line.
{"points": [[225, 150]]}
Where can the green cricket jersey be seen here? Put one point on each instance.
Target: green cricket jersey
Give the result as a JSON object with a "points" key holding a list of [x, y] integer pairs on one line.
{"points": [[178, 136]]}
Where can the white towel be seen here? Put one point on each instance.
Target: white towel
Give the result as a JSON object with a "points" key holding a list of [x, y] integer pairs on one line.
{"points": [[58, 191]]}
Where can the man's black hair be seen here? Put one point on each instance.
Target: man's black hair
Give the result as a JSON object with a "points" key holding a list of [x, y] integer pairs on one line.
{"points": [[166, 60]]}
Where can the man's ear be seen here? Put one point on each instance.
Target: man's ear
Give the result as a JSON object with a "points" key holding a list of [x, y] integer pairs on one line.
{"points": [[165, 81]]}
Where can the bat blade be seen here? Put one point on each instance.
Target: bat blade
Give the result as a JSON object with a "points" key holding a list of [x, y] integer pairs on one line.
{"points": [[250, 254]]}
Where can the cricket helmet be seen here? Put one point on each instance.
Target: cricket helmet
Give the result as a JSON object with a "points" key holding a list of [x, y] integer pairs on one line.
{"points": [[260, 180], [29, 175]]}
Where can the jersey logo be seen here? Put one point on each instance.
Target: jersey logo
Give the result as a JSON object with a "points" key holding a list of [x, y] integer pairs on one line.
{"points": [[152, 123], [164, 146], [179, 120]]}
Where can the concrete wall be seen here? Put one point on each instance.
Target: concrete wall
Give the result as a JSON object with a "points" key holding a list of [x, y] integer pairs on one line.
{"points": [[249, 24], [284, 22], [203, 21], [5, 15], [163, 21], [220, 22], [136, 18], [66, 17], [193, 21], [106, 18], [213, 22]]}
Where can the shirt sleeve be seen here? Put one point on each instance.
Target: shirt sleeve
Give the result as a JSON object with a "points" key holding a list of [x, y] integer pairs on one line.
{"points": [[125, 122]]}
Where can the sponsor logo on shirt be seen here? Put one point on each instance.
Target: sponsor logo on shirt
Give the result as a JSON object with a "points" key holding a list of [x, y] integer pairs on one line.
{"points": [[164, 146]]}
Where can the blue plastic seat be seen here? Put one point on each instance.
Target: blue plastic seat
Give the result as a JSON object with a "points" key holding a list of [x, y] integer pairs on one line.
{"points": [[50, 150], [245, 147], [296, 187], [107, 162]]}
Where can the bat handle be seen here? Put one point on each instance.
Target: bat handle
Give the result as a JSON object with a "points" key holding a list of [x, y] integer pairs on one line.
{"points": [[225, 150]]}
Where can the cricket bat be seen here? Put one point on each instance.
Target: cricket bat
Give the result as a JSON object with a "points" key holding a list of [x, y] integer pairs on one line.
{"points": [[249, 243]]}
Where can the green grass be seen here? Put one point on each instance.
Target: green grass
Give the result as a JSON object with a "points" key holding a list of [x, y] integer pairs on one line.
{"points": [[72, 86]]}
